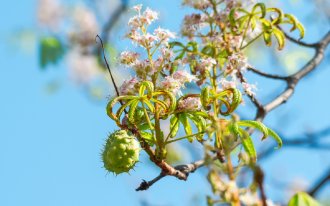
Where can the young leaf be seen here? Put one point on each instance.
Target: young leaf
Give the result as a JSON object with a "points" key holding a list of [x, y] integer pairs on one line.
{"points": [[148, 137], [205, 97], [275, 137], [267, 38], [174, 128], [248, 144], [132, 109], [280, 38], [262, 8], [255, 124], [199, 122], [303, 199], [186, 125]]}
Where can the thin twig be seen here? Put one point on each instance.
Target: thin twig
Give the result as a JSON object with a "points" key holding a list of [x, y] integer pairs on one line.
{"points": [[107, 65], [264, 74], [298, 41]]}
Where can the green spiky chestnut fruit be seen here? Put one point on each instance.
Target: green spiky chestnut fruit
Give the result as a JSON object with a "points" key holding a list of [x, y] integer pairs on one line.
{"points": [[121, 152]]}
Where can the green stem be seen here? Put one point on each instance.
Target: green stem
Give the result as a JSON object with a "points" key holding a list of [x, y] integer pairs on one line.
{"points": [[246, 29], [147, 117], [169, 134], [250, 42], [184, 137]]}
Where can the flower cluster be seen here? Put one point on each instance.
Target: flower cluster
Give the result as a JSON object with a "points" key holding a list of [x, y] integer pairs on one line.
{"points": [[175, 82], [190, 103], [129, 87], [139, 26]]}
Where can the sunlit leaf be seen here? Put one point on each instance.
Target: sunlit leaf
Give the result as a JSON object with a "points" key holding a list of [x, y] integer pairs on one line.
{"points": [[303, 199]]}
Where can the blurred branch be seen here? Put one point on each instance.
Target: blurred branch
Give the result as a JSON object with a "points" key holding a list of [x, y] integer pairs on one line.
{"points": [[110, 24], [320, 183], [259, 177], [113, 19]]}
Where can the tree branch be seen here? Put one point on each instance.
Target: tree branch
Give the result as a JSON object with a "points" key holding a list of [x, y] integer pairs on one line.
{"points": [[185, 168], [272, 76], [293, 79]]}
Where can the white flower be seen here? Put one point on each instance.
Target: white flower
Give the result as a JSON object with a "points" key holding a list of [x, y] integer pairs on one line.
{"points": [[138, 21], [83, 68], [271, 203], [237, 61], [164, 34], [128, 58], [129, 86], [172, 85], [49, 13], [137, 7], [140, 66], [198, 4], [249, 88], [249, 199], [135, 22], [225, 84], [166, 53], [183, 76], [147, 40], [85, 25], [150, 15], [190, 103], [207, 64]]}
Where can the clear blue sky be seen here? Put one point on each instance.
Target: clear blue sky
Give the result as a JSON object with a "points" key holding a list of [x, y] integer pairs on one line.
{"points": [[50, 144]]}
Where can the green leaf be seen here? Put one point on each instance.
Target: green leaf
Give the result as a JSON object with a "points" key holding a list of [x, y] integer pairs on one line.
{"points": [[132, 109], [262, 8], [144, 126], [208, 50], [199, 122], [148, 137], [205, 97], [275, 137], [295, 24], [279, 17], [174, 128], [149, 105], [280, 38], [231, 17], [267, 38], [146, 85], [176, 43], [248, 144], [193, 45], [303, 199], [301, 30], [186, 125], [255, 124], [51, 51]]}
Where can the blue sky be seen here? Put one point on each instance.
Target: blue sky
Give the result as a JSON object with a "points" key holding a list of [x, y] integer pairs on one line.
{"points": [[50, 144]]}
